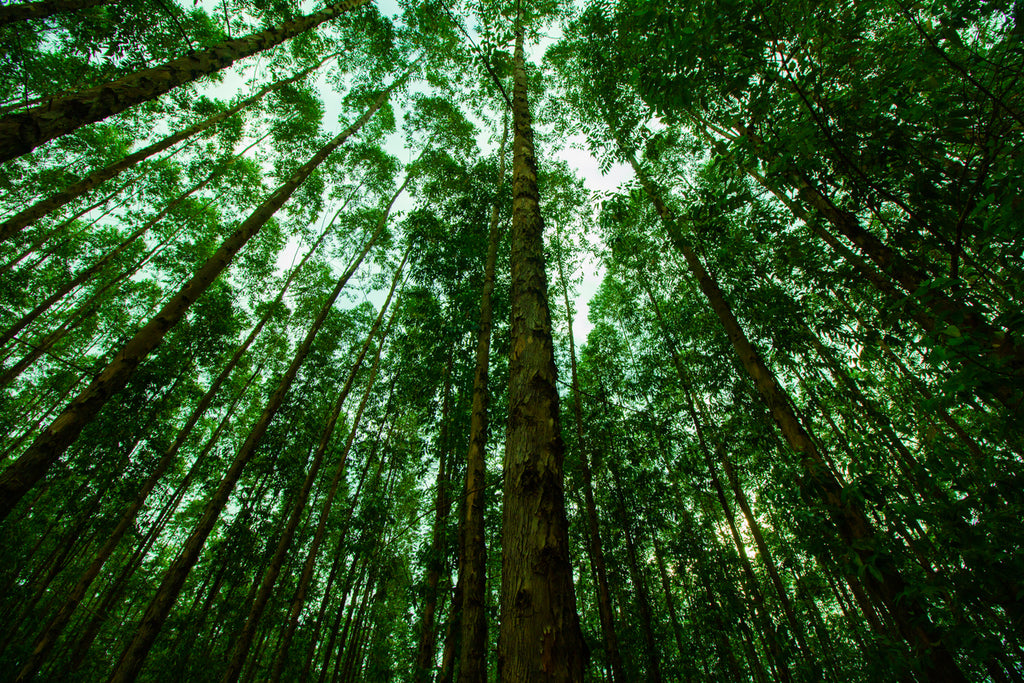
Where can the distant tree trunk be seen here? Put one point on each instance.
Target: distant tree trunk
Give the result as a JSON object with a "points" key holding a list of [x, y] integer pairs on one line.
{"points": [[639, 582], [670, 599], [426, 649], [340, 543], [48, 638], [855, 530], [473, 556], [134, 655], [299, 598], [42, 236], [87, 273], [540, 638], [604, 600], [694, 406], [240, 649], [22, 132], [19, 221], [23, 474], [452, 636]]}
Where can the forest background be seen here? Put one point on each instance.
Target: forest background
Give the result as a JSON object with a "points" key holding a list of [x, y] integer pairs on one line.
{"points": [[314, 367]]}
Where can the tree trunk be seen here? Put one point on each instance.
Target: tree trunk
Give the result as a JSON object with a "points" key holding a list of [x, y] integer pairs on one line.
{"points": [[23, 474], [16, 223], [855, 530], [604, 600], [43, 8], [241, 647], [540, 637], [473, 558], [423, 665], [22, 132], [299, 598]]}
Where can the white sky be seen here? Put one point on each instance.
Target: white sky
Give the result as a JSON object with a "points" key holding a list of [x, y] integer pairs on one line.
{"points": [[579, 160]]}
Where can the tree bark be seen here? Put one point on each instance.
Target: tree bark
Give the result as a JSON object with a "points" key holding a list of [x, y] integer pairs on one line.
{"points": [[540, 637], [855, 530], [473, 558], [22, 132], [10, 14]]}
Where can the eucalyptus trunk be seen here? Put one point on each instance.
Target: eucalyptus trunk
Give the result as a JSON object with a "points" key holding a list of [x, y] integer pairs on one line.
{"points": [[540, 637]]}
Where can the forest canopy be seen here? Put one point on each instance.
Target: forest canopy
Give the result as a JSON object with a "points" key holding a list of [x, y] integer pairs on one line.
{"points": [[295, 382]]}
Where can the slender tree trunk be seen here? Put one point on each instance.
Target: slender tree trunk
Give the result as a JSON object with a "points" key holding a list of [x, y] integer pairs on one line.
{"points": [[540, 638], [134, 655], [240, 650], [48, 637], [23, 474], [87, 273], [16, 223], [604, 601], [670, 603], [22, 132], [435, 562], [854, 528], [473, 558], [299, 598], [639, 581]]}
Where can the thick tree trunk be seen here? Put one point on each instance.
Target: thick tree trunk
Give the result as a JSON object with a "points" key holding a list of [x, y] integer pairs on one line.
{"points": [[22, 132], [540, 638], [23, 474]]}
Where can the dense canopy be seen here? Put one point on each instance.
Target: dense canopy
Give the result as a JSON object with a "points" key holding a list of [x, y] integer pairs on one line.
{"points": [[512, 341]]}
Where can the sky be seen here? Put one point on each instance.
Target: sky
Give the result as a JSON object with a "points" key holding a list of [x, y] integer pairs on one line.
{"points": [[573, 152]]}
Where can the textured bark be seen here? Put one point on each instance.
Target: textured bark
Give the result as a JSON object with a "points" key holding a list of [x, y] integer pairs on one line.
{"points": [[473, 559], [854, 528], [23, 474], [540, 637], [44, 8], [22, 132], [19, 221]]}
